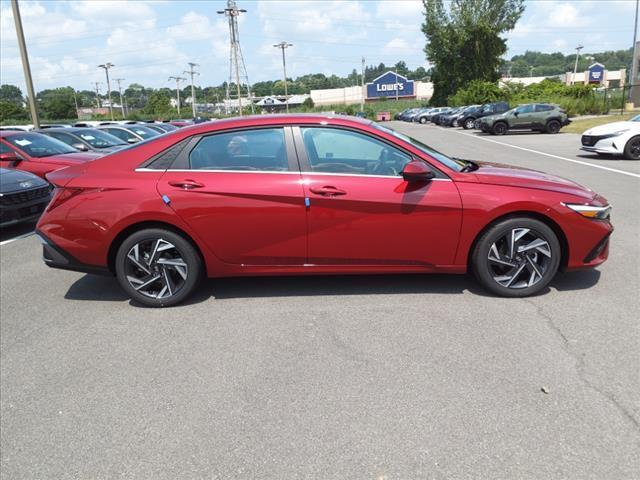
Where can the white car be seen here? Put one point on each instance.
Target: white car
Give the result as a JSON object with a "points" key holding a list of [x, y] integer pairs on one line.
{"points": [[617, 138]]}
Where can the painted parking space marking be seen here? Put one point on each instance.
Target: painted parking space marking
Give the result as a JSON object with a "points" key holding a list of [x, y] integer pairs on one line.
{"points": [[19, 237]]}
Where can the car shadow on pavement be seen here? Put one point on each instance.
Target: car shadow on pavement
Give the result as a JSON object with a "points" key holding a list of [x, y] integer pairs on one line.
{"points": [[98, 288], [12, 231]]}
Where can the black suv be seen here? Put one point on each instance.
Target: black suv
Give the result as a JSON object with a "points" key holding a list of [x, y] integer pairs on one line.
{"points": [[467, 121]]}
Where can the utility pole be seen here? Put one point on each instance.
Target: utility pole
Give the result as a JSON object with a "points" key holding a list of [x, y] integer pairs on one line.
{"points": [[97, 84], [120, 91], [363, 90], [25, 64], [178, 80], [634, 60], [236, 60], [191, 73], [282, 46], [575, 68], [531, 71], [106, 67], [75, 100]]}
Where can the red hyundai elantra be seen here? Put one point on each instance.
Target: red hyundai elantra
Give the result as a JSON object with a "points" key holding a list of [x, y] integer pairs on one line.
{"points": [[297, 194]]}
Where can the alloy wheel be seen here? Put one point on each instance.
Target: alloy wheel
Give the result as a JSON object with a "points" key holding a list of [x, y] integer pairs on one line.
{"points": [[155, 268], [634, 148], [519, 258]]}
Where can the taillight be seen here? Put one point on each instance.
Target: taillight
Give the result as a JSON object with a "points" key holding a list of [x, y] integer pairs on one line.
{"points": [[61, 195]]}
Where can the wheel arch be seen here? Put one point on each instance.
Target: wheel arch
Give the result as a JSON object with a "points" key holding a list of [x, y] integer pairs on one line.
{"points": [[136, 227], [548, 221]]}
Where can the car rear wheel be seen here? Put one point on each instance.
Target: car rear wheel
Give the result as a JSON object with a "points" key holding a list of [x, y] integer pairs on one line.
{"points": [[553, 126], [517, 257], [423, 120], [468, 123], [158, 267], [632, 148], [500, 128]]}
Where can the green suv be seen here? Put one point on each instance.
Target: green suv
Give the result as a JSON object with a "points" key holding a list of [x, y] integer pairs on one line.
{"points": [[543, 117]]}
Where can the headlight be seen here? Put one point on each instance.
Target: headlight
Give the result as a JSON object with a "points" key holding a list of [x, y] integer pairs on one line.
{"points": [[590, 211]]}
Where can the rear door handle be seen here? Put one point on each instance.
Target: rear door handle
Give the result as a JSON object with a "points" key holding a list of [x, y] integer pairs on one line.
{"points": [[327, 191], [186, 184]]}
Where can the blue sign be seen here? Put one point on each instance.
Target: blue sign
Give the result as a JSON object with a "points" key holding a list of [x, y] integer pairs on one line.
{"points": [[390, 84], [596, 73]]}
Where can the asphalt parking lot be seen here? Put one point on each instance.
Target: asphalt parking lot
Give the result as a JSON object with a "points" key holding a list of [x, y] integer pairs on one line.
{"points": [[387, 377]]}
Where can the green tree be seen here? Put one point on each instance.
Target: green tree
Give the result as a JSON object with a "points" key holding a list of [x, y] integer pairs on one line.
{"points": [[57, 103], [159, 103], [464, 42], [12, 94], [11, 111]]}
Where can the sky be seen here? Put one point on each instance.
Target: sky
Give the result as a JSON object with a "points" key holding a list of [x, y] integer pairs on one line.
{"points": [[149, 41]]}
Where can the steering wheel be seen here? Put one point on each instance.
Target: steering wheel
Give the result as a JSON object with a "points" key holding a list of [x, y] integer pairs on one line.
{"points": [[383, 166]]}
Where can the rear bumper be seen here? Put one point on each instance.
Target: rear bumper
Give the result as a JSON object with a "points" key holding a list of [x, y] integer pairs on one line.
{"points": [[55, 257]]}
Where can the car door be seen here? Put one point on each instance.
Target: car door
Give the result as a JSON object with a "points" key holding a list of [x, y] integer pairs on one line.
{"points": [[240, 191], [523, 117], [361, 211]]}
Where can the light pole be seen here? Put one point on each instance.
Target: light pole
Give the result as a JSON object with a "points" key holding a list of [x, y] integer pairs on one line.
{"points": [[120, 91], [106, 67], [178, 80], [363, 91], [575, 68], [191, 73], [282, 46], [25, 64], [97, 84], [634, 60]]}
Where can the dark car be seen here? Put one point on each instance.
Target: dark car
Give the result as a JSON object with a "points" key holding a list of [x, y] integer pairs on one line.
{"points": [[438, 116], [446, 118], [130, 133], [468, 121], [272, 194], [428, 114], [165, 127], [86, 139], [542, 117], [23, 196]]}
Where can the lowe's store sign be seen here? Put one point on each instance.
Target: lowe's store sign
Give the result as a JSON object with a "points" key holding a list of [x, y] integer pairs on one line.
{"points": [[390, 84]]}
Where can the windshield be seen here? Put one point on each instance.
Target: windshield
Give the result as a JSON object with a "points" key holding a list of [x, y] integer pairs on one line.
{"points": [[635, 119], [99, 139], [39, 146], [456, 165], [144, 132]]}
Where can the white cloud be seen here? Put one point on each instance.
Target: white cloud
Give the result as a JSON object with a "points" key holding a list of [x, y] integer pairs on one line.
{"points": [[402, 9]]}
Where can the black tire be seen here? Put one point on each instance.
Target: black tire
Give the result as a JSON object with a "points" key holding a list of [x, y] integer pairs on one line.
{"points": [[468, 123], [553, 126], [423, 120], [484, 269], [499, 128], [632, 148], [184, 251]]}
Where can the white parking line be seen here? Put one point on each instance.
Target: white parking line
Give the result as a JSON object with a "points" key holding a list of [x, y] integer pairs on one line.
{"points": [[11, 240], [615, 170]]}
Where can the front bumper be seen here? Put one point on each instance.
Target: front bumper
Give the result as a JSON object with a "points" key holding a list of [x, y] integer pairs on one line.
{"points": [[22, 212], [610, 145]]}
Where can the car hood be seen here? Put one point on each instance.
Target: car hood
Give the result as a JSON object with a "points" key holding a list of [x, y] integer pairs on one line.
{"points": [[498, 174], [14, 180], [612, 127]]}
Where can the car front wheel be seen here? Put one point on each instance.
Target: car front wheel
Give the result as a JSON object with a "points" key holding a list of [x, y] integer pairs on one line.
{"points": [[500, 128], [517, 257], [632, 148], [158, 267], [423, 120]]}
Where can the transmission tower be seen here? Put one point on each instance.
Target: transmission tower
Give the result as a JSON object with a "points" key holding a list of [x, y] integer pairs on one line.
{"points": [[237, 67]]}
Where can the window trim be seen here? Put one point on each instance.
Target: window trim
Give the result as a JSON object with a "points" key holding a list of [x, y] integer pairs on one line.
{"points": [[181, 163], [305, 165]]}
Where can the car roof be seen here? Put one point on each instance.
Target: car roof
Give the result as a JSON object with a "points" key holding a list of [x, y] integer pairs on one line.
{"points": [[66, 130]]}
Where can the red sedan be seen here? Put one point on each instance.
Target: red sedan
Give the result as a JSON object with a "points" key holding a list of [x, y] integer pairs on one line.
{"points": [[37, 153], [296, 194]]}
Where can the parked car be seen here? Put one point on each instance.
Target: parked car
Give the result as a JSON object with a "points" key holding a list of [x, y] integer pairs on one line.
{"points": [[37, 153], [130, 133], [86, 139], [427, 115], [23, 128], [470, 117], [54, 125], [166, 127], [617, 138], [23, 196], [542, 117], [271, 195], [453, 119], [440, 118]]}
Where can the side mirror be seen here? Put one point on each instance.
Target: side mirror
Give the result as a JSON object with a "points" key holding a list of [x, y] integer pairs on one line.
{"points": [[515, 114], [417, 171], [10, 157], [80, 146], [132, 140]]}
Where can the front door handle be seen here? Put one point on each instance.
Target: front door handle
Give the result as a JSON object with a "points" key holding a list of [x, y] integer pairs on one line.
{"points": [[186, 184], [327, 191]]}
